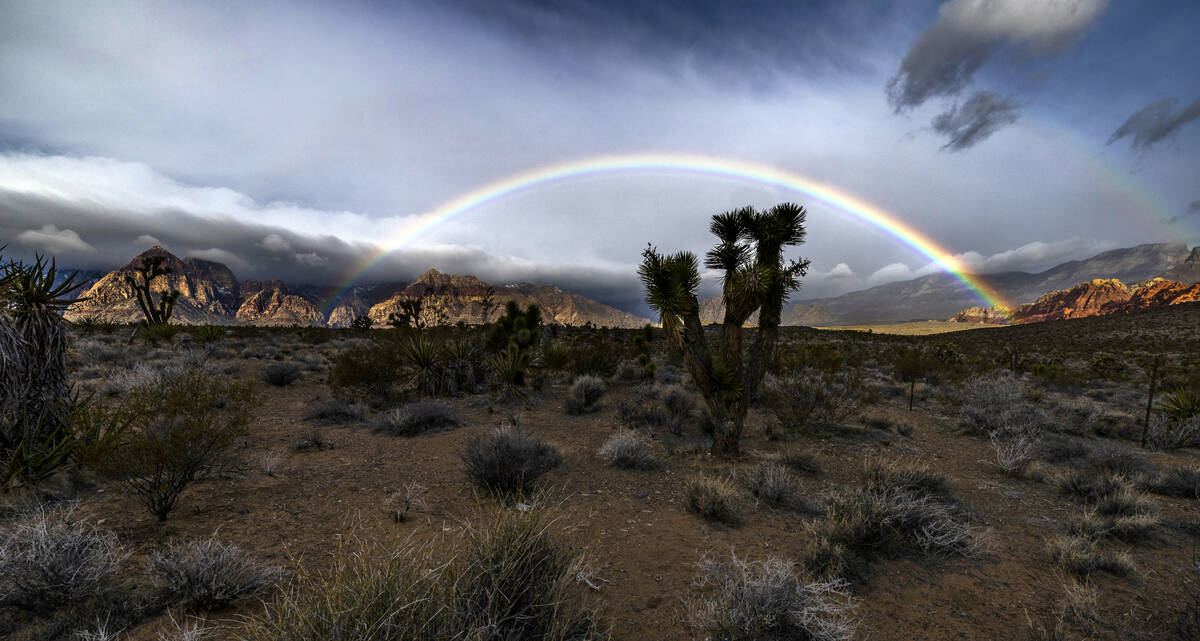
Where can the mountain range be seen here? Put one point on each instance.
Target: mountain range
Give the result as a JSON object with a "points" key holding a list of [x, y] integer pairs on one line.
{"points": [[941, 295], [1115, 281], [210, 293]]}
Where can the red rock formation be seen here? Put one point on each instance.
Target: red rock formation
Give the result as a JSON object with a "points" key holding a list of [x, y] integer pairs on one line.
{"points": [[986, 315]]}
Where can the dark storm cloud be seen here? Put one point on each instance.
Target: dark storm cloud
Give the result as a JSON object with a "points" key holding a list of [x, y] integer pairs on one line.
{"points": [[945, 57], [1192, 211], [85, 237], [973, 121], [1155, 122]]}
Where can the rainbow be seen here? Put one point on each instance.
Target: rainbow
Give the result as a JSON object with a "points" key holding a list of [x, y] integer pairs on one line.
{"points": [[727, 168]]}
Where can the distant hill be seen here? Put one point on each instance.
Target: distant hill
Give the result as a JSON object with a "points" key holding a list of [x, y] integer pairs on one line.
{"points": [[941, 295], [211, 294]]}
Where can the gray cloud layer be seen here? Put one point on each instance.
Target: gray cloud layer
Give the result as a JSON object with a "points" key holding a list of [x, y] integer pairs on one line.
{"points": [[1155, 122], [259, 252], [973, 121], [945, 57]]}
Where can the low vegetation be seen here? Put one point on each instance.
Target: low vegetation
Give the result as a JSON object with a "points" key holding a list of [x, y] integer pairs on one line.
{"points": [[508, 460]]}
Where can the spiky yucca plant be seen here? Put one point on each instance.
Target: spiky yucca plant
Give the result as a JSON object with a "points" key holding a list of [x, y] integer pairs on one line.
{"points": [[749, 255], [33, 347]]}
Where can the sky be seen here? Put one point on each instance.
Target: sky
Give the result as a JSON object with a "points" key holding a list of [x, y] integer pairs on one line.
{"points": [[298, 140]]}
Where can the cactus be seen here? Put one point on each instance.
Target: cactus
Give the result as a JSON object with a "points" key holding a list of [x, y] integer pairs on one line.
{"points": [[749, 254]]}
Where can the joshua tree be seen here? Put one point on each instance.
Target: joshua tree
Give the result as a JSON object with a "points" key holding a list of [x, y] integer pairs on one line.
{"points": [[755, 277], [151, 268]]}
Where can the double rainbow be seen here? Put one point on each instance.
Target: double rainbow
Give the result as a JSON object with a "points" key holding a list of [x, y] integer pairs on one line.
{"points": [[727, 168]]}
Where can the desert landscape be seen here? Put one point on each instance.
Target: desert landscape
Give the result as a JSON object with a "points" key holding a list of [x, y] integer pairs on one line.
{"points": [[591, 320]]}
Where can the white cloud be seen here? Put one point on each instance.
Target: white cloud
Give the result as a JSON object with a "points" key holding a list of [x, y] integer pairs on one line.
{"points": [[146, 240], [54, 240], [890, 273]]}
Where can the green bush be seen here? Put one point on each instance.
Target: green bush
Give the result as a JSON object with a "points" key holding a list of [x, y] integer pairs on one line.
{"points": [[185, 424]]}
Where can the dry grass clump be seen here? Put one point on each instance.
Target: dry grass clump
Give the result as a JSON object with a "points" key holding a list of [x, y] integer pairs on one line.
{"points": [[210, 573], [776, 487], [1167, 432], [713, 499], [1082, 556], [585, 394], [512, 579], [48, 560], [337, 411], [1179, 482], [799, 462], [629, 450], [508, 460], [768, 599], [417, 419], [896, 508]]}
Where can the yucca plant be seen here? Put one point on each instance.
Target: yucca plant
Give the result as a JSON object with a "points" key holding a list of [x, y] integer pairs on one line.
{"points": [[510, 366], [425, 357], [34, 393], [755, 278], [1180, 404], [208, 333]]}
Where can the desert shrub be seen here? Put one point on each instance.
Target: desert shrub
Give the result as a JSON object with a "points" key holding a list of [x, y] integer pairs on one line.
{"points": [[665, 406], [186, 425], [1179, 482], [713, 499], [337, 411], [1118, 461], [365, 371], [917, 479], [799, 461], [775, 486], [627, 449], [1130, 528], [48, 560], [1061, 448], [1089, 486], [1167, 432], [281, 374], [508, 460], [1081, 556], [210, 573], [1013, 454], [418, 418], [754, 601], [895, 508], [998, 404], [594, 359], [585, 395], [808, 396], [312, 440], [513, 579]]}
